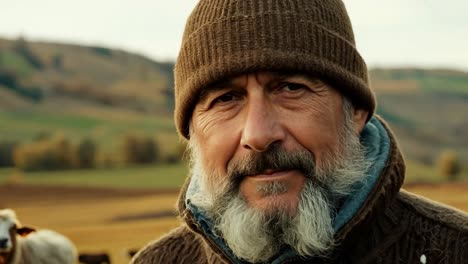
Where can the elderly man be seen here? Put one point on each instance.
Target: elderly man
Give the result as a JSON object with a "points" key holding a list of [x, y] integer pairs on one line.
{"points": [[289, 164]]}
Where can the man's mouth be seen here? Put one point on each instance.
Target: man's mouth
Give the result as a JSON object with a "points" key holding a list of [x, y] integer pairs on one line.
{"points": [[271, 174]]}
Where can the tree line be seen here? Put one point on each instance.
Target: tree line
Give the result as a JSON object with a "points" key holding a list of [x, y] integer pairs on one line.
{"points": [[59, 153]]}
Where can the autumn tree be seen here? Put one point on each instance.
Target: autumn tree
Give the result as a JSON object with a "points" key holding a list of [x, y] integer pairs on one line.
{"points": [[449, 165]]}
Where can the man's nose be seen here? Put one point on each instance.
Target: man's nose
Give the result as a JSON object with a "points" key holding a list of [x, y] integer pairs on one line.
{"points": [[262, 127]]}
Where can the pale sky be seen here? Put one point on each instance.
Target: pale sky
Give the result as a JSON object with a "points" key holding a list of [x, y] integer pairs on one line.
{"points": [[424, 33]]}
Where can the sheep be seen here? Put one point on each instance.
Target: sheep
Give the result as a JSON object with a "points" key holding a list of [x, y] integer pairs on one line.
{"points": [[100, 258], [22, 245]]}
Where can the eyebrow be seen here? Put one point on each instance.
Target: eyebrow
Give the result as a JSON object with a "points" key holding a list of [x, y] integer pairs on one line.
{"points": [[229, 83]]}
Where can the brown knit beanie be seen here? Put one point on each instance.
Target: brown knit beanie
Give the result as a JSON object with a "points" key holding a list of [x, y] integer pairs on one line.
{"points": [[225, 38]]}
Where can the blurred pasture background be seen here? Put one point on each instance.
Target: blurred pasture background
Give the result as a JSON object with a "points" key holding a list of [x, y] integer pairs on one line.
{"points": [[88, 145]]}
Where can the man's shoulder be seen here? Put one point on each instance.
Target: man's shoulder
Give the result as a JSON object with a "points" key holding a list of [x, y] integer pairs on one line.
{"points": [[178, 246], [435, 212]]}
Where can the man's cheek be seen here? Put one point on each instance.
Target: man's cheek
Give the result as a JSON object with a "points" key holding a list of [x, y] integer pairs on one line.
{"points": [[216, 180]]}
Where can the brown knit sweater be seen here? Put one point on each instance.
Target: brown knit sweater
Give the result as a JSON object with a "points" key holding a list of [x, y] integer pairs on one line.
{"points": [[392, 226]]}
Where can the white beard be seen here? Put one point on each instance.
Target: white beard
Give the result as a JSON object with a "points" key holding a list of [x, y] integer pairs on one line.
{"points": [[256, 236]]}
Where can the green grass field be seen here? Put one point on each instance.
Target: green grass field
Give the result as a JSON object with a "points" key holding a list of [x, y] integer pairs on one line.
{"points": [[107, 131], [155, 176]]}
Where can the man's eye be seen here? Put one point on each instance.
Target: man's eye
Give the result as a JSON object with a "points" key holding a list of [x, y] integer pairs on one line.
{"points": [[291, 87], [225, 98]]}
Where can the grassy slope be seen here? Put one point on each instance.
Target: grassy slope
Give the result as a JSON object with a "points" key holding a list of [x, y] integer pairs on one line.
{"points": [[135, 81], [426, 109], [155, 176], [106, 127]]}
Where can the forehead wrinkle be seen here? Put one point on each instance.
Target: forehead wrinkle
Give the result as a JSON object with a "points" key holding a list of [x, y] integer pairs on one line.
{"points": [[279, 76], [308, 78]]}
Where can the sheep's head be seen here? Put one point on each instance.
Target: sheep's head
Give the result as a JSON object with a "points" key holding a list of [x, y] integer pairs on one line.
{"points": [[9, 228]]}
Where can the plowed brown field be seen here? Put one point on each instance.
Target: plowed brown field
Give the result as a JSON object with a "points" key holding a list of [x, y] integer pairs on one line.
{"points": [[114, 221]]}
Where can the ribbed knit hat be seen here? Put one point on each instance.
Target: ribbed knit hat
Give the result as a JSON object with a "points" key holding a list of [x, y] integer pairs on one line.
{"points": [[225, 38]]}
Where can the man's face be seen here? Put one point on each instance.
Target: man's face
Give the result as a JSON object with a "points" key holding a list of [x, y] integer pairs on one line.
{"points": [[250, 114], [272, 157]]}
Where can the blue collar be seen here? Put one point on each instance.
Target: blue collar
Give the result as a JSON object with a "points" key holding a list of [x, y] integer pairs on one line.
{"points": [[374, 138]]}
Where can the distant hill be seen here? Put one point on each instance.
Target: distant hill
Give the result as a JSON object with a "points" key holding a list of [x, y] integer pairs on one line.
{"points": [[83, 90], [428, 109], [44, 71]]}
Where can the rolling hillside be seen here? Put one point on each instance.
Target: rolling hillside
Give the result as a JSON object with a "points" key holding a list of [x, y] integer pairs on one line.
{"points": [[43, 71], [101, 92], [428, 109], [79, 91]]}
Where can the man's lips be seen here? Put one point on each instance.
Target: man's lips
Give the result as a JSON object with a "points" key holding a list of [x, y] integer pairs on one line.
{"points": [[268, 175]]}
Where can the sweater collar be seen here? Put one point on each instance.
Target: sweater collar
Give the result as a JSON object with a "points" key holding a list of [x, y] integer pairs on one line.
{"points": [[384, 179]]}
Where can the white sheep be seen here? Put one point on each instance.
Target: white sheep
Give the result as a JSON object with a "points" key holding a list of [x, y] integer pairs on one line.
{"points": [[22, 245]]}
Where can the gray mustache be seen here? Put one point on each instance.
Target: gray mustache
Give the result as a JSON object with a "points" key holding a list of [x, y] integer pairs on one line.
{"points": [[274, 158]]}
